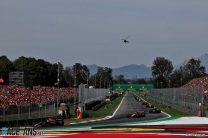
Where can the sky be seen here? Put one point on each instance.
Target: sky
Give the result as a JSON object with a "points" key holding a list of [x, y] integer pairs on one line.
{"points": [[90, 31]]}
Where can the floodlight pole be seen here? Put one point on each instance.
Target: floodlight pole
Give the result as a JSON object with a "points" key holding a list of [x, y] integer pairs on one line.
{"points": [[87, 76], [58, 76], [169, 83], [58, 80], [87, 80], [75, 84]]}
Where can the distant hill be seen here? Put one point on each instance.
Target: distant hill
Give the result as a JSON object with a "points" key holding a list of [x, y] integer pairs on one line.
{"points": [[141, 71], [130, 71], [133, 71]]}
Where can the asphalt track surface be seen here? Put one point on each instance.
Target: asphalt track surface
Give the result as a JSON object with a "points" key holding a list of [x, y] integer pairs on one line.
{"points": [[128, 106]]}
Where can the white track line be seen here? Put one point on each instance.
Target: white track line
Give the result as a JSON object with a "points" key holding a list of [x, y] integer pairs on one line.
{"points": [[118, 106]]}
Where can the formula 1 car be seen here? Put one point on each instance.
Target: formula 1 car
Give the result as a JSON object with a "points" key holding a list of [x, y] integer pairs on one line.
{"points": [[54, 121], [51, 121], [137, 114], [154, 110]]}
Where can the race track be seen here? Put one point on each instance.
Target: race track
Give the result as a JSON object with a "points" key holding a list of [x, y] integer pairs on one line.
{"points": [[129, 105]]}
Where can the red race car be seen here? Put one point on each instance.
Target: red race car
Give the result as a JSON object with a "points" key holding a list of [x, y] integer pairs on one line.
{"points": [[137, 114], [51, 121]]}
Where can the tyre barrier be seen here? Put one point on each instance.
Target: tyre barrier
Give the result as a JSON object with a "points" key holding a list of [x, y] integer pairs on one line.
{"points": [[95, 108], [90, 105]]}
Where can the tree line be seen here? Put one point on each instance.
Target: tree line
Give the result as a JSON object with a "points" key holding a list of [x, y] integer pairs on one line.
{"points": [[38, 72], [43, 73], [164, 75]]}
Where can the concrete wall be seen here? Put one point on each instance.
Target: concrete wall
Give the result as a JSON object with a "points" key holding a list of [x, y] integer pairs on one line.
{"points": [[87, 95]]}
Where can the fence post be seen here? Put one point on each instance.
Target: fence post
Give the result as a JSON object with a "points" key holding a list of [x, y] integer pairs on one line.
{"points": [[18, 112], [4, 115], [39, 110], [29, 110], [55, 108], [202, 101], [45, 109]]}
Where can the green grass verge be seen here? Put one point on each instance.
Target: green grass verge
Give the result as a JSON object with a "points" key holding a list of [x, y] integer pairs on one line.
{"points": [[104, 111], [169, 110]]}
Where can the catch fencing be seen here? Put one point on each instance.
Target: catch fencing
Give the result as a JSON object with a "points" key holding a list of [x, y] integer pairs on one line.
{"points": [[32, 111], [187, 100], [87, 95]]}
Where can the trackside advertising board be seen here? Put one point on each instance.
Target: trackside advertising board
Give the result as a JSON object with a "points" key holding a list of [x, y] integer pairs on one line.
{"points": [[132, 87]]}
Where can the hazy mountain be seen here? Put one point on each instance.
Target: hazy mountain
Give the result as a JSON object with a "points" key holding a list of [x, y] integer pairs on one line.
{"points": [[130, 71], [133, 71], [141, 71]]}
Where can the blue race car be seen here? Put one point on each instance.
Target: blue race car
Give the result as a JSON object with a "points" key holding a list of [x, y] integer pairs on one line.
{"points": [[154, 110]]}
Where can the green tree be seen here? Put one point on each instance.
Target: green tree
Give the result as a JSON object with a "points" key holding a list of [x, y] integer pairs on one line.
{"points": [[39, 72], [81, 73], [6, 66], [194, 69], [29, 67], [177, 78], [120, 79], [161, 70], [42, 72], [104, 77], [93, 80], [68, 76]]}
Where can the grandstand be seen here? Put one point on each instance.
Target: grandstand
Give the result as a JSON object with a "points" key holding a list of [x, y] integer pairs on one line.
{"points": [[201, 82], [19, 103], [22, 96], [23, 103]]}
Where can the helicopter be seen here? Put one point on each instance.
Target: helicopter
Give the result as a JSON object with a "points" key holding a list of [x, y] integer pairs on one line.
{"points": [[124, 40]]}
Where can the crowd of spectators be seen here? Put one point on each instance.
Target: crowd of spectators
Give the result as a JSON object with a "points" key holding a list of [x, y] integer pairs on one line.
{"points": [[199, 82], [22, 96]]}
